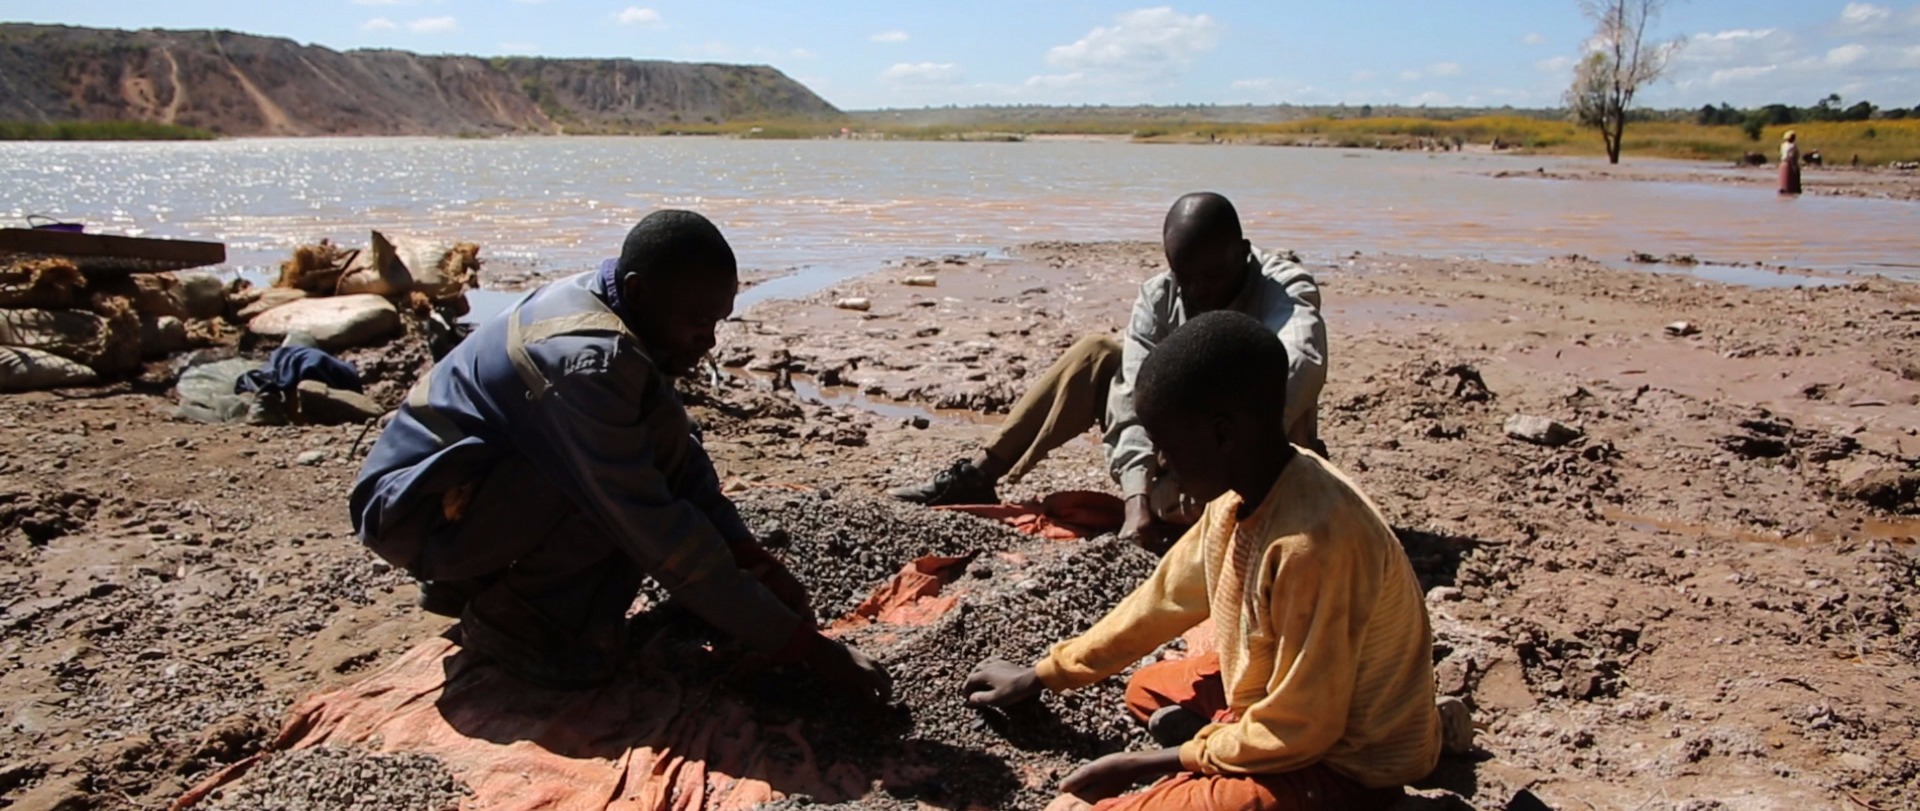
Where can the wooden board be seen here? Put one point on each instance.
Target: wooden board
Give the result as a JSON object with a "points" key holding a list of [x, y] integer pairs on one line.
{"points": [[106, 253]]}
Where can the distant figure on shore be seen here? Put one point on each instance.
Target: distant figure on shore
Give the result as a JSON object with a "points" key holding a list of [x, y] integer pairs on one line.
{"points": [[1212, 267], [546, 466], [1790, 163]]}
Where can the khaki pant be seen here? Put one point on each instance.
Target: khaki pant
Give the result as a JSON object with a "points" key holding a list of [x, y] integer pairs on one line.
{"points": [[1067, 401], [1071, 398]]}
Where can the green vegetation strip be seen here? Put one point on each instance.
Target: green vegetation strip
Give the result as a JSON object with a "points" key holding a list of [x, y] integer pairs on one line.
{"points": [[100, 131]]}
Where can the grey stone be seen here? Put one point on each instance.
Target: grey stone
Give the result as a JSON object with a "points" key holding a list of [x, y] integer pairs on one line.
{"points": [[1541, 430]]}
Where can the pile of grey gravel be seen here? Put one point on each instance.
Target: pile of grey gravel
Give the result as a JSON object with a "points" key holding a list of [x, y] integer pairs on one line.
{"points": [[328, 778]]}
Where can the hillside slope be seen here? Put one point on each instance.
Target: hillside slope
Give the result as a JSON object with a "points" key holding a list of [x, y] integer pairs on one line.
{"points": [[240, 84]]}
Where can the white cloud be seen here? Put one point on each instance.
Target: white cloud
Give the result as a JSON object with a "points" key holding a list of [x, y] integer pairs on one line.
{"points": [[1055, 81], [1742, 74], [1444, 69], [1864, 15], [800, 53], [637, 15], [1410, 75], [378, 24], [1364, 75], [890, 37], [1252, 84], [519, 48], [921, 73], [1533, 39], [1558, 64], [1433, 98], [1846, 54], [433, 25], [1146, 44]]}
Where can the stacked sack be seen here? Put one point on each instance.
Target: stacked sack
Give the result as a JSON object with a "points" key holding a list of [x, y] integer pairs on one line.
{"points": [[61, 327], [354, 297]]}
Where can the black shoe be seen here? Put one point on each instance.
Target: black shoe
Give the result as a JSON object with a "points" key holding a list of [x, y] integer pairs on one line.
{"points": [[1174, 725], [960, 484]]}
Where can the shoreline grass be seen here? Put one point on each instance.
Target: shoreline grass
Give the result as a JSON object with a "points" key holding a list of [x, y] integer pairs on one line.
{"points": [[1877, 143], [100, 131]]}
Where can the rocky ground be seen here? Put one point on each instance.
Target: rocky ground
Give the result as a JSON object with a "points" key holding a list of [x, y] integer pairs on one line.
{"points": [[1705, 599]]}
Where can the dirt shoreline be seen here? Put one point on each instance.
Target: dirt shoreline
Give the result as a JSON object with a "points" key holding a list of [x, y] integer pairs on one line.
{"points": [[1861, 182], [1711, 600]]}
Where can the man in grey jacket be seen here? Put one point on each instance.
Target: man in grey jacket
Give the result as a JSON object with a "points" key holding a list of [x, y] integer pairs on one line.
{"points": [[546, 464], [1212, 266]]}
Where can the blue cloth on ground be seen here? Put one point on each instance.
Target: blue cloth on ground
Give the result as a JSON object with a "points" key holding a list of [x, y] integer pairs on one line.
{"points": [[291, 364]]}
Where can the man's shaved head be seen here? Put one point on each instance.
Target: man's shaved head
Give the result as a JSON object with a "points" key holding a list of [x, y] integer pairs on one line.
{"points": [[678, 277], [1200, 220], [1206, 250], [675, 245]]}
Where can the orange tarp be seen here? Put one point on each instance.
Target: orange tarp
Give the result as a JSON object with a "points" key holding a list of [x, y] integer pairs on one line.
{"points": [[1063, 516]]}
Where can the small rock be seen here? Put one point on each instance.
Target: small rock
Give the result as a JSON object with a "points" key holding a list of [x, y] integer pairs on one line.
{"points": [[921, 281], [1456, 726], [921, 423], [1541, 430], [859, 304], [1682, 329], [310, 458]]}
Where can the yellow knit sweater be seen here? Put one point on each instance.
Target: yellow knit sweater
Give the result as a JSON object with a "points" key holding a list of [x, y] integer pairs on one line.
{"points": [[1325, 648]]}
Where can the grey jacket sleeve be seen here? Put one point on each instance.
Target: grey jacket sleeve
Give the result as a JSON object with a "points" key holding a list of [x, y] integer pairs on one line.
{"points": [[1297, 320], [590, 432], [1130, 454]]}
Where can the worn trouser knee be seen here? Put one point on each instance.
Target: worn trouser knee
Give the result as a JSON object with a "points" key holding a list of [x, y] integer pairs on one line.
{"points": [[1066, 401]]}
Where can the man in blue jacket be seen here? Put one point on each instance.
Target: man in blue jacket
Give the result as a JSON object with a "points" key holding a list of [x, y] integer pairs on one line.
{"points": [[546, 465]]}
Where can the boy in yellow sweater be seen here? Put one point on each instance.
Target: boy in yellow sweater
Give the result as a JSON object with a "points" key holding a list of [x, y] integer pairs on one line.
{"points": [[1321, 694]]}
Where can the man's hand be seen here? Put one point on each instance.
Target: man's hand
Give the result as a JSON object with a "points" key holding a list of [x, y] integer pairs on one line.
{"points": [[755, 560], [786, 588], [844, 668], [999, 683], [1140, 527], [1112, 775]]}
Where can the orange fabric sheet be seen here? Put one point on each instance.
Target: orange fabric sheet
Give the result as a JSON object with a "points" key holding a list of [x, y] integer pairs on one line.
{"points": [[643, 743], [1062, 516]]}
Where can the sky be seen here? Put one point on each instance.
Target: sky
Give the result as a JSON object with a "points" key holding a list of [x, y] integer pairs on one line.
{"points": [[902, 53]]}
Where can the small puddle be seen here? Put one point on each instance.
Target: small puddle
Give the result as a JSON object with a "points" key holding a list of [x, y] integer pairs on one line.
{"points": [[1760, 278], [1903, 531]]}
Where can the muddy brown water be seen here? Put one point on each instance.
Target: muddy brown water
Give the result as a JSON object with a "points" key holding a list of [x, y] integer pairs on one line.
{"points": [[835, 209]]}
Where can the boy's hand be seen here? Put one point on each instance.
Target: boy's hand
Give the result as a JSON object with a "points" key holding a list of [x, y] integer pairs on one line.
{"points": [[999, 683], [1112, 775]]}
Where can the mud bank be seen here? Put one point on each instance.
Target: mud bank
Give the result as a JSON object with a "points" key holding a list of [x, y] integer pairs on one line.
{"points": [[1707, 600]]}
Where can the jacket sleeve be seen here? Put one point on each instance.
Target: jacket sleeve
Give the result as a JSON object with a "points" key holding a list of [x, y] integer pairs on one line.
{"points": [[1313, 596], [1130, 453], [701, 488], [1171, 601], [590, 434], [1303, 331]]}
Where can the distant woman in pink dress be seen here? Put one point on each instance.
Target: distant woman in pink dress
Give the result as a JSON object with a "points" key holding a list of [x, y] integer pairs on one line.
{"points": [[1790, 164]]}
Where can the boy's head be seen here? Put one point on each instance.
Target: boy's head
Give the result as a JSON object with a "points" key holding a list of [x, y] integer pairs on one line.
{"points": [[678, 276], [1212, 396], [1205, 250]]}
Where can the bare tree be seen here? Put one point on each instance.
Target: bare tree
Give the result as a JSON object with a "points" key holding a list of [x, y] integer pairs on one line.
{"points": [[1618, 63]]}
